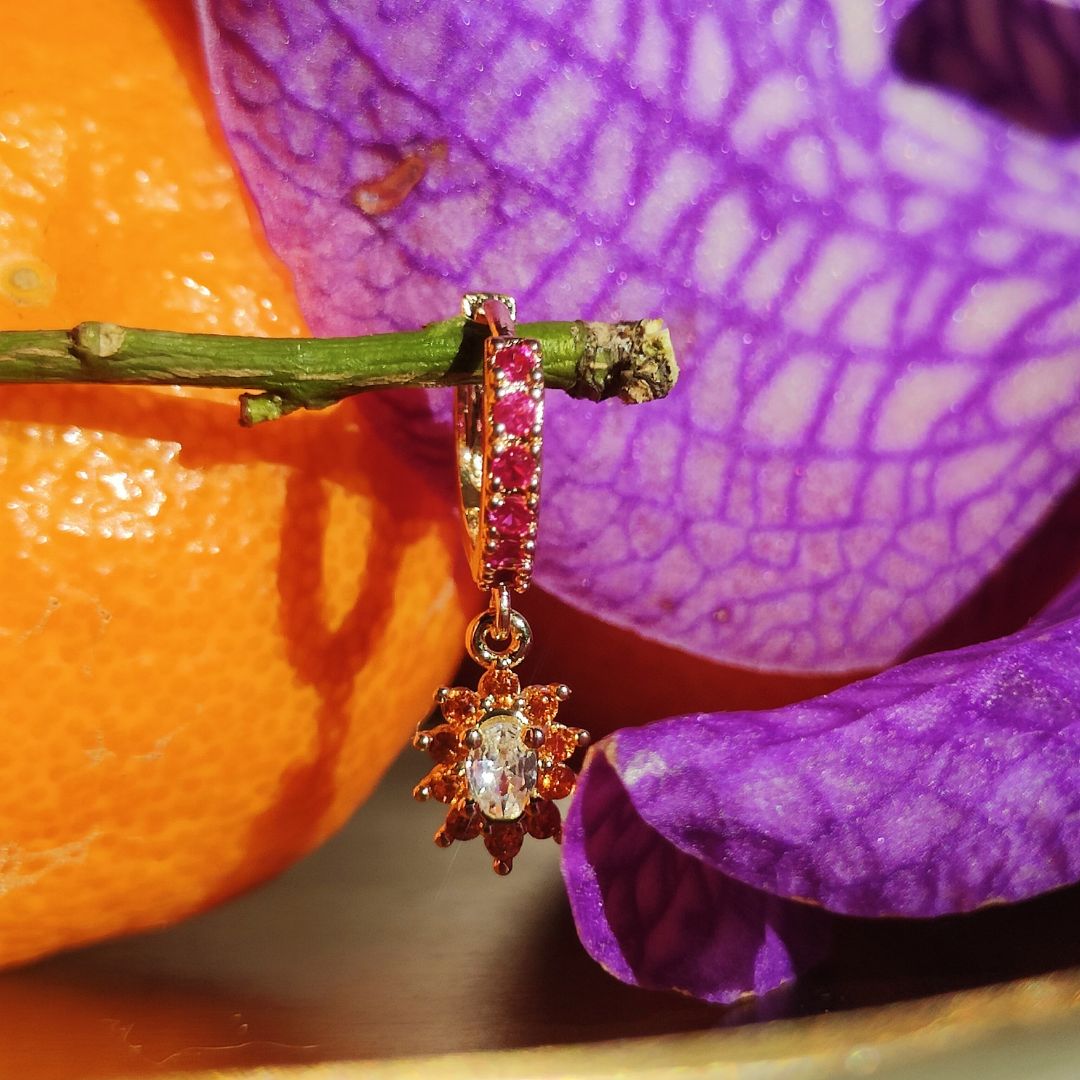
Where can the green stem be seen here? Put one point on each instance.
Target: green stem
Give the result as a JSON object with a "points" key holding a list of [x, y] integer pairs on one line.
{"points": [[633, 361]]}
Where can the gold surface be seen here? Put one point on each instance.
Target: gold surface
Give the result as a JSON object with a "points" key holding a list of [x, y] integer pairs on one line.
{"points": [[994, 1032], [383, 956]]}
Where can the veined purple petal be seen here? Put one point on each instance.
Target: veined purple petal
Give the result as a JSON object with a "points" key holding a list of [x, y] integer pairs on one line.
{"points": [[872, 283], [939, 786]]}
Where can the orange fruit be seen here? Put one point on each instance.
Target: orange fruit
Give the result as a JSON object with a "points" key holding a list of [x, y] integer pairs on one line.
{"points": [[213, 640]]}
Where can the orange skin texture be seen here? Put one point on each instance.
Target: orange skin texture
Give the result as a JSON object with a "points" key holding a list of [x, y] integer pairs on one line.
{"points": [[213, 640]]}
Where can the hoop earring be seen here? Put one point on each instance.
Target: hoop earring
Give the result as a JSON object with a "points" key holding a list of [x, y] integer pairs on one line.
{"points": [[501, 755]]}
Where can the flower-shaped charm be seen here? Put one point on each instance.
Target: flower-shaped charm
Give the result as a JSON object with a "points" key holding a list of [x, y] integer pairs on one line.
{"points": [[500, 763]]}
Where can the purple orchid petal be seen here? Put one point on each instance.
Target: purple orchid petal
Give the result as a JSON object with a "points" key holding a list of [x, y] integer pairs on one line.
{"points": [[939, 786], [872, 282], [658, 918]]}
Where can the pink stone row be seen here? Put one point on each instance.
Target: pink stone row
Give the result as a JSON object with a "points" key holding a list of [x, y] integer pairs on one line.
{"points": [[517, 410]]}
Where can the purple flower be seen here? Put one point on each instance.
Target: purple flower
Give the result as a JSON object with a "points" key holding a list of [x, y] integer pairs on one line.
{"points": [[861, 222]]}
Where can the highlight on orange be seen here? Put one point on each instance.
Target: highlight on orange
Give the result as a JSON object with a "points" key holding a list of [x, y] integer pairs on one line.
{"points": [[213, 640]]}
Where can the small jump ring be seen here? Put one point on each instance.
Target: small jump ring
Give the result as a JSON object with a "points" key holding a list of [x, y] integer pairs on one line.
{"points": [[498, 427], [485, 653]]}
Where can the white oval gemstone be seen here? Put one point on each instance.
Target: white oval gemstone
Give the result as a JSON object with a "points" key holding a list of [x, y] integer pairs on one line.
{"points": [[501, 771]]}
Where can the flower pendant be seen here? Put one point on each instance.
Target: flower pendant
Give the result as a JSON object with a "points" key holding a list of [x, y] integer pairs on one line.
{"points": [[500, 763]]}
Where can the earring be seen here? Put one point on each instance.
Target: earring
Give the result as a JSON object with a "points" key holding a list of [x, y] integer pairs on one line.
{"points": [[500, 753]]}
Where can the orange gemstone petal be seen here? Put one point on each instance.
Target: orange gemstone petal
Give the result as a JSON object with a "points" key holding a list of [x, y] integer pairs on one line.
{"points": [[560, 742], [444, 745], [543, 820], [541, 704], [556, 782], [460, 706], [503, 839], [444, 782], [463, 822], [503, 686]]}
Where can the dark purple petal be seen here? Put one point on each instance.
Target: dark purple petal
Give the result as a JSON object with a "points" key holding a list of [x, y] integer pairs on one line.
{"points": [[939, 786], [652, 916]]}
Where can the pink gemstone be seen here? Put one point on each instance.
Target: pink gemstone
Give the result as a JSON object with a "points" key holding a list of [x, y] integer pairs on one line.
{"points": [[508, 555], [513, 517], [514, 468], [517, 362], [515, 412]]}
